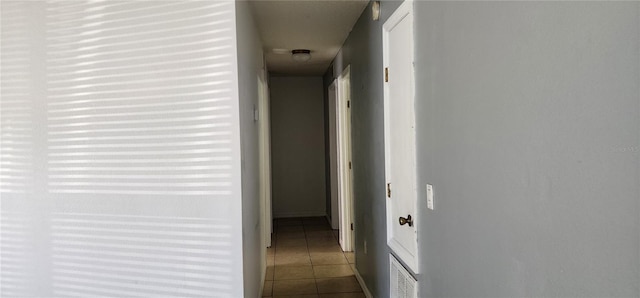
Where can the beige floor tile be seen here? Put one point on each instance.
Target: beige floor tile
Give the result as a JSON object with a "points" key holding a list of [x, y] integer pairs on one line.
{"points": [[291, 242], [293, 272], [288, 250], [343, 295], [338, 285], [327, 258], [271, 250], [288, 222], [269, 274], [291, 235], [271, 260], [322, 235], [325, 271], [314, 220], [298, 296], [335, 248], [294, 287], [323, 243], [286, 229], [310, 228], [351, 257], [268, 287], [328, 234], [319, 250], [292, 259]]}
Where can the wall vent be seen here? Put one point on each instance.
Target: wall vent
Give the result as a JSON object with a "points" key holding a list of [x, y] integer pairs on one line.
{"points": [[403, 285]]}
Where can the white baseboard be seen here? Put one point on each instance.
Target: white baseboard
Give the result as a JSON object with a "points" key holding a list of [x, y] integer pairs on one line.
{"points": [[299, 214], [366, 291]]}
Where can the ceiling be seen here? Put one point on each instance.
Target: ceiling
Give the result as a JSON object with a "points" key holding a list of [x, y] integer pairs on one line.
{"points": [[318, 25]]}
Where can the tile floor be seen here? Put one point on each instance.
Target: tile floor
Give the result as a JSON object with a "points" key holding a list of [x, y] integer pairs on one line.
{"points": [[305, 260]]}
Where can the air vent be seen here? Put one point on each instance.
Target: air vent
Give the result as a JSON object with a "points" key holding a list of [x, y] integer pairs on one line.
{"points": [[403, 285]]}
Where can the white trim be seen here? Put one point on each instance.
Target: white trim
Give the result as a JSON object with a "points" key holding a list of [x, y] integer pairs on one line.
{"points": [[264, 144], [363, 285], [411, 260], [334, 191], [264, 159], [345, 174]]}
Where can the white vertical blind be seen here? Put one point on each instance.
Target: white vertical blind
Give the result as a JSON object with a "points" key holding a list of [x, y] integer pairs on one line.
{"points": [[120, 160]]}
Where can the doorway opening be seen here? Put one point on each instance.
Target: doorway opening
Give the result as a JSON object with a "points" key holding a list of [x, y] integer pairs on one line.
{"points": [[341, 166]]}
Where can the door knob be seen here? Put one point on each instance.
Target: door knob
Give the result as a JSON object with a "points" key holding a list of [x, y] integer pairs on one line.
{"points": [[403, 221]]}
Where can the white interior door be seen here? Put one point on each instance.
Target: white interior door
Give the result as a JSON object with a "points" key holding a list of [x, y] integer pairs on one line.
{"points": [[345, 176], [400, 144]]}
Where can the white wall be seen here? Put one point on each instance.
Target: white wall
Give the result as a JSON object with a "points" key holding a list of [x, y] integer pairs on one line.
{"points": [[297, 140], [120, 150], [250, 65]]}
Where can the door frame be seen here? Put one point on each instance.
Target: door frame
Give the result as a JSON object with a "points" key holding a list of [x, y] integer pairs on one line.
{"points": [[332, 97], [264, 143], [345, 171], [411, 260]]}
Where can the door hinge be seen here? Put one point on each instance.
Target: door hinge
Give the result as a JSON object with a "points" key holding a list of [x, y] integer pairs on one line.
{"points": [[386, 74], [348, 103], [349, 165], [352, 226], [388, 190]]}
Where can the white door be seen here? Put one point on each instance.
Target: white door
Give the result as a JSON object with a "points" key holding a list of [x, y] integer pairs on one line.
{"points": [[399, 135]]}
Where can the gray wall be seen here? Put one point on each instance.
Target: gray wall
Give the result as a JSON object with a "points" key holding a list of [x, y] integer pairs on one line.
{"points": [[363, 51], [297, 144], [528, 118]]}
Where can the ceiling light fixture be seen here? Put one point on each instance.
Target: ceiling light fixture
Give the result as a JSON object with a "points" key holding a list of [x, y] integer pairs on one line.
{"points": [[301, 55], [375, 10]]}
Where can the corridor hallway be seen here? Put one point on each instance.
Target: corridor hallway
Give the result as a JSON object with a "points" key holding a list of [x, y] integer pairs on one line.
{"points": [[306, 260]]}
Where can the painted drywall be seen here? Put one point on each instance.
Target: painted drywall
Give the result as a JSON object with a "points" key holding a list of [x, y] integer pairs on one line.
{"points": [[297, 144], [120, 148], [529, 134], [250, 66], [528, 119], [363, 51]]}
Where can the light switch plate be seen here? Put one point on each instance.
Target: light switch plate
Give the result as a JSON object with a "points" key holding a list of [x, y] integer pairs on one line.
{"points": [[430, 196], [256, 115]]}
